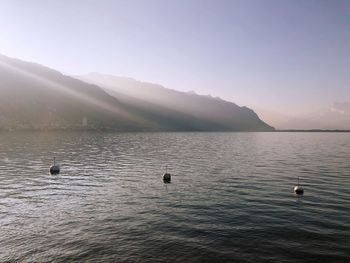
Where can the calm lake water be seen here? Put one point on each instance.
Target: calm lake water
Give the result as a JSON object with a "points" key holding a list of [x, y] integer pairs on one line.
{"points": [[230, 200]]}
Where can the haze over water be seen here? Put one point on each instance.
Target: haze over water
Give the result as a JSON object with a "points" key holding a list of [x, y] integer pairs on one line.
{"points": [[230, 199]]}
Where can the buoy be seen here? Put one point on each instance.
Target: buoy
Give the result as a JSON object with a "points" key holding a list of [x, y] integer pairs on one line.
{"points": [[55, 168], [298, 189], [166, 176]]}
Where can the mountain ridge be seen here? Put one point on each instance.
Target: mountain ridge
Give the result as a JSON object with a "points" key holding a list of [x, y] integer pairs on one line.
{"points": [[37, 97], [201, 106]]}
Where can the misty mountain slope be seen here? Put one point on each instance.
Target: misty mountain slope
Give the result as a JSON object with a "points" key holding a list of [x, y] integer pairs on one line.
{"points": [[336, 116], [222, 114], [170, 119], [35, 97]]}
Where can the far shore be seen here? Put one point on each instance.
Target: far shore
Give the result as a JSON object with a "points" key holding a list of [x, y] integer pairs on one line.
{"points": [[312, 130], [109, 130]]}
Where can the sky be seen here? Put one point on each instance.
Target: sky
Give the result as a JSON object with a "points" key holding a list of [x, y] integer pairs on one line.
{"points": [[279, 57]]}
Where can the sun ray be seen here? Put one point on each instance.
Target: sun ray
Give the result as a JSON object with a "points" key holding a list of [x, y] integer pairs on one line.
{"points": [[58, 87]]}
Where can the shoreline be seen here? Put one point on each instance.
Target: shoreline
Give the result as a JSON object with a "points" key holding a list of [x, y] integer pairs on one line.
{"points": [[170, 131]]}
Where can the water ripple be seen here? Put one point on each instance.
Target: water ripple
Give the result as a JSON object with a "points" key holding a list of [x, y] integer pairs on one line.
{"points": [[230, 199]]}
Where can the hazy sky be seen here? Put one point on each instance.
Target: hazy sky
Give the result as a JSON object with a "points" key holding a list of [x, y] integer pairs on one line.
{"points": [[285, 56]]}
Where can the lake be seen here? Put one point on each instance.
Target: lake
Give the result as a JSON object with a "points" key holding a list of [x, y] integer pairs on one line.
{"points": [[230, 200]]}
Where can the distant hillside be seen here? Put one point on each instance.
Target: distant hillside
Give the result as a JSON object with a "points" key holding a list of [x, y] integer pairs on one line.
{"points": [[335, 116], [211, 113], [34, 97]]}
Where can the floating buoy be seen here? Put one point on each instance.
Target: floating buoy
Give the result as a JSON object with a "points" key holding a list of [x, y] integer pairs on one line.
{"points": [[166, 176], [55, 168], [298, 189]]}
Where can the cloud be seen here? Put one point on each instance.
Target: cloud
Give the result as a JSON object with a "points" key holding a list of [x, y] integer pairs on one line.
{"points": [[341, 108]]}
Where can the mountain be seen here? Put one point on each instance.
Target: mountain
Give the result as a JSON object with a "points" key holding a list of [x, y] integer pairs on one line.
{"points": [[336, 116], [207, 112], [35, 97]]}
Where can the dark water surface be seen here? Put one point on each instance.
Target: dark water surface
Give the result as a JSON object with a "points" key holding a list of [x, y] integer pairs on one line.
{"points": [[230, 199]]}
